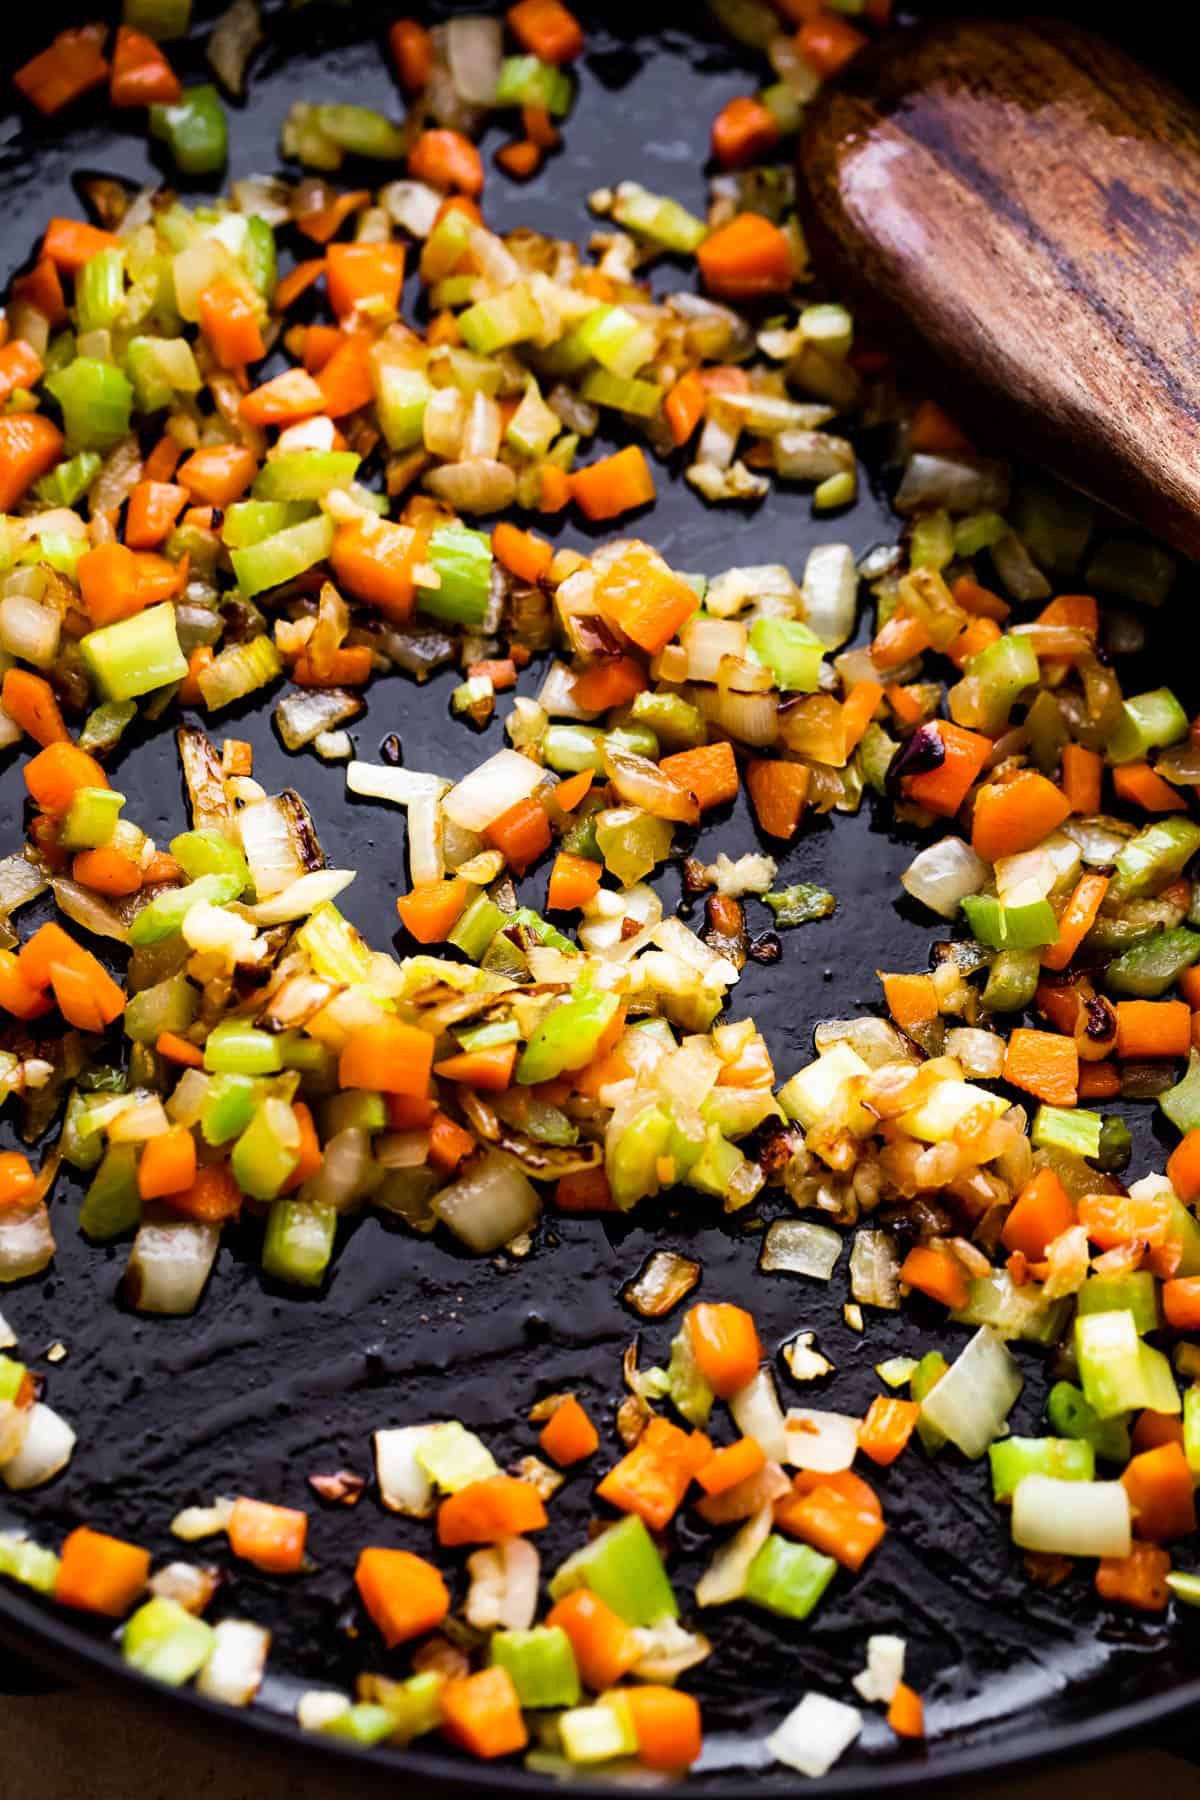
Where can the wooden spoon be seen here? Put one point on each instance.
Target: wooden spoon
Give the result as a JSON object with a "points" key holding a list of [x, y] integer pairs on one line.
{"points": [[1028, 198]]}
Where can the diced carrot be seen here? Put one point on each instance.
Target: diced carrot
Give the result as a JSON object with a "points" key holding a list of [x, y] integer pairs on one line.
{"points": [[899, 641], [178, 1050], [943, 790], [154, 507], [141, 74], [348, 666], [229, 320], [18, 1183], [937, 1273], [1189, 986], [906, 1712], [1043, 1064], [56, 773], [364, 274], [163, 460], [346, 381], [190, 691], [285, 400], [1159, 1485], [522, 552], [107, 870], [70, 66], [975, 636], [747, 259], [1111, 1220], [29, 701], [270, 1537], [29, 445], [1181, 1302], [297, 281], [376, 561], [726, 1467], [430, 913], [482, 1714], [20, 367], [324, 222], [933, 432], [448, 1143], [85, 993], [709, 772], [829, 42], [1082, 771], [618, 484], [100, 1574], [1012, 816], [613, 682], [833, 1522], [521, 159], [522, 834], [447, 160], [1078, 611], [1140, 786], [220, 473], [444, 330], [168, 1163], [778, 793], [69, 243], [1098, 1081], [1077, 919], [489, 1069], [1138, 1580], [652, 1479], [979, 600], [41, 288], [887, 1427], [387, 1057], [483, 1512], [555, 491], [409, 1112], [18, 995], [540, 128], [858, 709], [109, 581], [667, 1724], [547, 29], [574, 880], [1183, 1167], [412, 52], [1147, 1028], [604, 1646], [500, 671], [568, 1435], [404, 1595], [907, 704], [912, 1000], [570, 793], [743, 131], [684, 407], [725, 1345], [585, 1191], [1041, 1212]]}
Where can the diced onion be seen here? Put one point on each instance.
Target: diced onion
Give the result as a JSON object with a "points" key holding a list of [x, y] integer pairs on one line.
{"points": [[489, 1205], [757, 1413], [426, 863], [169, 1264], [20, 883], [26, 1242], [231, 43], [345, 1170], [478, 485], [8, 1336], [877, 1683], [724, 1580], [29, 630], [944, 874], [961, 484], [971, 1402], [831, 593], [825, 1442], [491, 789], [234, 1670], [404, 1487], [412, 205], [319, 1708], [668, 1651], [875, 1270], [1071, 1518], [981, 1053], [304, 713], [196, 1522], [662, 1284], [474, 46], [302, 897], [44, 1452], [815, 1734], [85, 908], [279, 843], [798, 1247], [376, 781], [504, 1586]]}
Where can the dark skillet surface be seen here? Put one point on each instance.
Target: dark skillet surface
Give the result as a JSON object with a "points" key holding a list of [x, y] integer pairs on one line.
{"points": [[263, 1387]]}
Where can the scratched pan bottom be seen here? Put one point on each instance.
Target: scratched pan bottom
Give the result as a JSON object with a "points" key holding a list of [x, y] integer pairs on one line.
{"points": [[264, 1386]]}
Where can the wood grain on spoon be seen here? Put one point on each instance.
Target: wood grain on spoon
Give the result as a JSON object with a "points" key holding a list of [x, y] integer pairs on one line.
{"points": [[1029, 198]]}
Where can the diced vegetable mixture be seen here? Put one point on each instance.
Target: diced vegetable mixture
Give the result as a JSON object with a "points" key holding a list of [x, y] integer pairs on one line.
{"points": [[232, 463]]}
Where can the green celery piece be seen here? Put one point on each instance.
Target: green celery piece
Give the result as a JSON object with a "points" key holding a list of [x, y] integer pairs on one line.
{"points": [[363, 1723], [875, 755], [1003, 671], [164, 915], [100, 290], [1131, 569], [712, 1171], [1116, 1145], [91, 818], [1148, 969], [477, 927], [788, 1579], [1148, 722], [785, 106], [1182, 1102], [169, 1005], [258, 255], [541, 930], [362, 131], [507, 318], [333, 946], [414, 1705], [12, 1379], [1027, 927], [602, 1733], [487, 1037], [1154, 857], [533, 427], [1185, 1231], [923, 1380], [112, 1205], [241, 669], [623, 1567], [1191, 1427], [978, 531], [674, 720], [638, 740], [463, 560], [298, 1242], [69, 482], [632, 1162], [305, 474], [82, 1138], [1066, 1459], [235, 1047], [1074, 1129], [565, 1038], [655, 216], [541, 1663], [160, 368], [1072, 1416], [281, 558], [691, 1395], [1186, 1588], [136, 655], [737, 1111], [194, 129], [931, 544], [1048, 735], [96, 401], [801, 904], [248, 522], [401, 396], [454, 1457], [618, 341], [1012, 981], [28, 1563], [228, 1107], [159, 19], [623, 393], [1014, 1312], [791, 651], [355, 1109], [209, 852], [264, 1158], [1118, 1371], [570, 749], [527, 81], [166, 1642], [1135, 1293]]}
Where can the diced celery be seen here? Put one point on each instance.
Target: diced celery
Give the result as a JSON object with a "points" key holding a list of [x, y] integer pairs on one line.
{"points": [[509, 317], [1072, 1416], [657, 217], [674, 720], [690, 1393], [477, 927], [194, 129], [100, 290], [1147, 970], [91, 818], [1186, 1588], [623, 1567], [713, 1170], [1066, 1459], [1003, 671], [166, 1642], [96, 401], [566, 1036], [1013, 1312], [1182, 1102], [12, 1379], [1063, 1128], [258, 255], [355, 1109], [791, 651], [305, 474], [136, 655], [164, 915], [569, 749], [613, 337], [623, 393], [1136, 1293], [250, 521], [243, 668], [66, 484], [1119, 1372], [363, 1723], [209, 852], [298, 1241], [228, 1107], [1132, 569], [401, 396], [333, 946], [284, 556], [1054, 525], [82, 1137], [1012, 981], [1191, 1427], [541, 1663], [599, 1733], [1148, 722], [159, 19], [414, 1705], [28, 1563], [1147, 862], [978, 531], [454, 1457], [362, 131], [527, 81], [1184, 1231], [160, 368], [235, 1047], [534, 426], [788, 1579], [931, 545], [1026, 927], [112, 1205], [264, 1158], [169, 1005], [463, 560]]}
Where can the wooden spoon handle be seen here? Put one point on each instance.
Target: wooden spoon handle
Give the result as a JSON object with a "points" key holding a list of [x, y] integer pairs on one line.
{"points": [[1029, 198]]}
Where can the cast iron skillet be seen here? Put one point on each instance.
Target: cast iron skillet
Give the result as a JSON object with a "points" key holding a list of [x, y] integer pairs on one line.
{"points": [[264, 1386]]}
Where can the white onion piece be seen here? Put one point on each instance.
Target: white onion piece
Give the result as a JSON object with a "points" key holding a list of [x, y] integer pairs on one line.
{"points": [[8, 1336], [877, 1683], [825, 1442], [412, 205], [724, 1580], [14, 1423], [375, 781], [1032, 874], [757, 1413], [875, 1270], [673, 936], [303, 897], [815, 1734], [831, 593], [231, 43], [873, 1040], [478, 485], [320, 1707], [1100, 839], [491, 789], [196, 1522], [959, 483], [798, 1247], [29, 630], [751, 719], [490, 1205], [474, 46], [189, 1586], [10, 731], [276, 840], [981, 1053], [404, 1487], [1071, 1518], [45, 1450], [85, 908], [169, 1263], [426, 862], [944, 874], [234, 1670], [708, 641], [344, 1172], [504, 1586], [984, 1383], [557, 695], [668, 1650], [20, 883], [26, 1242]]}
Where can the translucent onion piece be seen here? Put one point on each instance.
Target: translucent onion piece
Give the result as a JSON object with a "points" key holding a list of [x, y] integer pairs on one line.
{"points": [[8, 1336], [45, 1450], [477, 486], [481, 797], [345, 1172], [169, 1263], [474, 46], [724, 1580], [189, 1586], [28, 629], [26, 1242], [757, 1413], [376, 781], [640, 782], [874, 1040], [1071, 1518], [426, 864], [884, 1671], [662, 1284], [411, 205], [668, 1651], [815, 1734], [279, 843], [302, 715], [302, 897], [831, 593], [980, 1053], [489, 1205], [196, 1522], [231, 43], [404, 1487], [984, 1382], [943, 874], [798, 1247], [85, 908], [960, 484], [824, 1442], [202, 772], [20, 883], [236, 1663], [875, 1270], [504, 1586]]}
